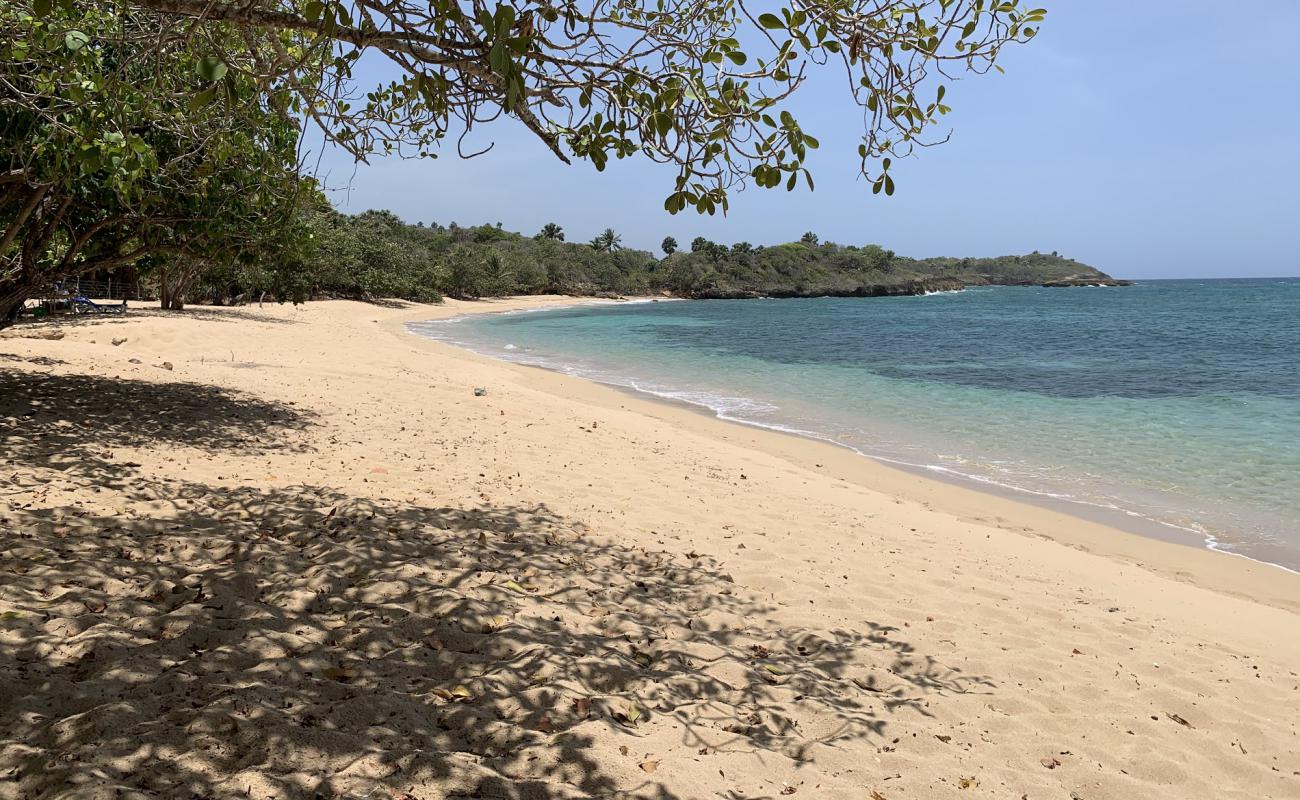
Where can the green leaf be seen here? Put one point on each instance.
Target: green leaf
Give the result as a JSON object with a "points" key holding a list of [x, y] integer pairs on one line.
{"points": [[499, 58], [770, 21], [75, 40], [504, 20], [736, 57], [203, 98], [42, 7], [312, 10], [211, 68]]}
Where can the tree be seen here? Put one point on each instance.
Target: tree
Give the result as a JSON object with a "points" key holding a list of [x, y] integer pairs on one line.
{"points": [[667, 80], [551, 231], [119, 118], [668, 245], [607, 241], [809, 239], [498, 276], [700, 244], [114, 147]]}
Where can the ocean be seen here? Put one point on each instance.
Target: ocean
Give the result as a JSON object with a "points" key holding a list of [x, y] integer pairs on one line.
{"points": [[1170, 405]]}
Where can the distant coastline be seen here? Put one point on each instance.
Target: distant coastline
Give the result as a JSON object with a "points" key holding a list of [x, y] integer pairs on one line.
{"points": [[386, 257], [1096, 430]]}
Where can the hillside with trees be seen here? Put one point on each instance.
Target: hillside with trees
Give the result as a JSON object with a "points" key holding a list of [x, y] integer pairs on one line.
{"points": [[811, 268], [375, 254], [167, 137]]}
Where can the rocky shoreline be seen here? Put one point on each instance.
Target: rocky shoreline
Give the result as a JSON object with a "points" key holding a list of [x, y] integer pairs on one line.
{"points": [[900, 289]]}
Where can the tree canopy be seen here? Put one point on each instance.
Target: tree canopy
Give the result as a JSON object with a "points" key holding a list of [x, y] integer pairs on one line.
{"points": [[697, 84], [170, 129], [114, 151], [374, 254]]}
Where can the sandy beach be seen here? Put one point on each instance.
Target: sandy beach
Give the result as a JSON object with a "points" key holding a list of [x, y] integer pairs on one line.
{"points": [[290, 552]]}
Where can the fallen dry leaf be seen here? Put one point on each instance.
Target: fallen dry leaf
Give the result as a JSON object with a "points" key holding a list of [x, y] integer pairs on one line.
{"points": [[455, 694], [649, 766], [1180, 720], [340, 674], [877, 795], [628, 715], [968, 783], [1050, 763], [582, 706]]}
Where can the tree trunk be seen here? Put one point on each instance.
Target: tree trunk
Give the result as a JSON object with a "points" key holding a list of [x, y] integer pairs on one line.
{"points": [[12, 297], [173, 284]]}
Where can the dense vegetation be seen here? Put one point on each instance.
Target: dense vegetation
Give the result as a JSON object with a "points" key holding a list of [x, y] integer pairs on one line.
{"points": [[166, 135], [375, 254]]}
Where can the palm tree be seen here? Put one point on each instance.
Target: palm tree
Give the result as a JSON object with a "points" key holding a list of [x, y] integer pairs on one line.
{"points": [[551, 231], [607, 241], [809, 238], [669, 245]]}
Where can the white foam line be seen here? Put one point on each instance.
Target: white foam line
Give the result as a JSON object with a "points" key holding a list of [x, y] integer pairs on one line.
{"points": [[1210, 541], [578, 303]]}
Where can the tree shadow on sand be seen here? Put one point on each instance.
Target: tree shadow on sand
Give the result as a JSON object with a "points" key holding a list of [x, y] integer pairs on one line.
{"points": [[68, 319], [75, 423], [299, 642]]}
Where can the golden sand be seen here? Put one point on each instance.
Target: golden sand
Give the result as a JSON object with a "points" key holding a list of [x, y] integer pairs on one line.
{"points": [[289, 552]]}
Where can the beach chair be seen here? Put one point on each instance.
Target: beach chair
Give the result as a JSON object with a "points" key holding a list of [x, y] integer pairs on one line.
{"points": [[84, 305]]}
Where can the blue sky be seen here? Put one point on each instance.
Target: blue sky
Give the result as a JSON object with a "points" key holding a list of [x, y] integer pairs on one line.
{"points": [[1150, 139]]}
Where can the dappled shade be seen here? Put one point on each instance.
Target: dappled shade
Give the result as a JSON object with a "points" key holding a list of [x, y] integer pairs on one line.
{"points": [[303, 642], [327, 644]]}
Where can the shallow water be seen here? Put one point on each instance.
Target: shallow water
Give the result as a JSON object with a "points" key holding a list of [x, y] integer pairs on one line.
{"points": [[1176, 402]]}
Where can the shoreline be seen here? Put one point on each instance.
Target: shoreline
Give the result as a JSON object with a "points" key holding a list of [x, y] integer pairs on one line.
{"points": [[301, 552], [1096, 523]]}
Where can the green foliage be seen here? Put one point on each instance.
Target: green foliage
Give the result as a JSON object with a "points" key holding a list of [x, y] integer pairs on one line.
{"points": [[702, 86], [805, 269], [668, 245], [107, 159], [607, 241], [374, 254]]}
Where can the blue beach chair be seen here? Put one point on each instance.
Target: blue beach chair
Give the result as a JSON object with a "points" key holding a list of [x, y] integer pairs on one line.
{"points": [[84, 305]]}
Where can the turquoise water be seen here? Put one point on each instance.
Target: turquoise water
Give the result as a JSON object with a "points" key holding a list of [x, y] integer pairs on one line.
{"points": [[1172, 402]]}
